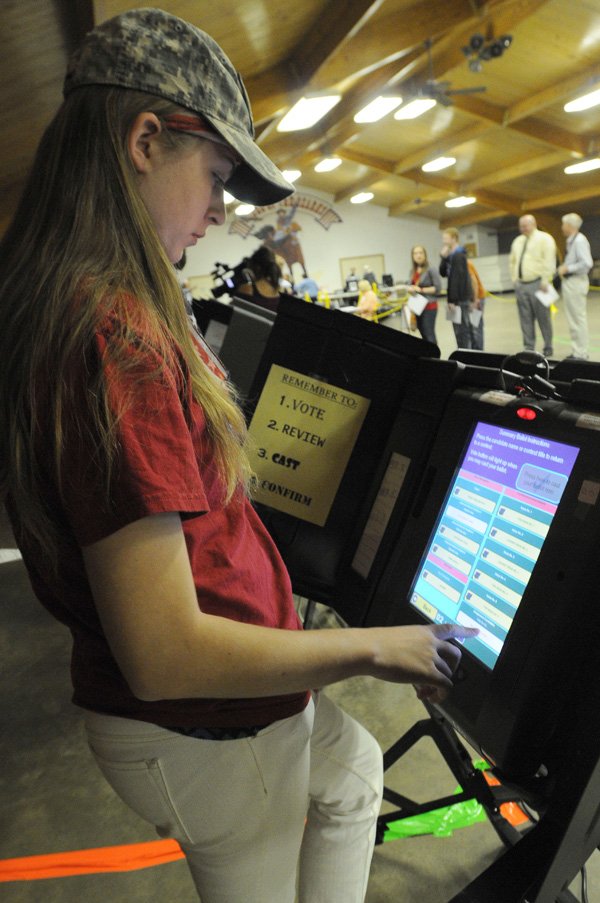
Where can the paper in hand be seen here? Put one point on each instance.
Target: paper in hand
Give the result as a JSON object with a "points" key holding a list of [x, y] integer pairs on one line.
{"points": [[548, 296]]}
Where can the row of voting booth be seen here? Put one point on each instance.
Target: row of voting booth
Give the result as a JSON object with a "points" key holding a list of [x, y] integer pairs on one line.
{"points": [[401, 488]]}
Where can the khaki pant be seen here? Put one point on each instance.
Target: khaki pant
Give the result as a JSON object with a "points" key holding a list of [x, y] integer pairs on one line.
{"points": [[574, 290], [295, 806]]}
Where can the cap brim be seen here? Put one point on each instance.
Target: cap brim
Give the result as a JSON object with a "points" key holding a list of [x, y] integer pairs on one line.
{"points": [[255, 179]]}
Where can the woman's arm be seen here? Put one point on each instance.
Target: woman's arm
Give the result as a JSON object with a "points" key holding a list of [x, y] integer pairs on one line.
{"points": [[167, 648], [429, 283], [435, 280]]}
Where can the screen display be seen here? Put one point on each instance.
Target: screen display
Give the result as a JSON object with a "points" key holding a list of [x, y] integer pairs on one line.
{"points": [[490, 533]]}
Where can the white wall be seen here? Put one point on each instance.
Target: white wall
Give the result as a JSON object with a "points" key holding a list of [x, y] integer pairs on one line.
{"points": [[485, 239], [365, 229]]}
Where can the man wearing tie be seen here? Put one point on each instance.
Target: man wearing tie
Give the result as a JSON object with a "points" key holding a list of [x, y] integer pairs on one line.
{"points": [[575, 285], [532, 266]]}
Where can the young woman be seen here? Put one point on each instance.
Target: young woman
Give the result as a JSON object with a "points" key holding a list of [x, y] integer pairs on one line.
{"points": [[122, 466], [425, 279], [264, 289]]}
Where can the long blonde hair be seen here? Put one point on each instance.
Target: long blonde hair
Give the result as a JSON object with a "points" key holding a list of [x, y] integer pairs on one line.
{"points": [[80, 243]]}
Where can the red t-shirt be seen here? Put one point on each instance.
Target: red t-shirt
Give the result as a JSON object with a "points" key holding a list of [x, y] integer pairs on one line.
{"points": [[164, 464]]}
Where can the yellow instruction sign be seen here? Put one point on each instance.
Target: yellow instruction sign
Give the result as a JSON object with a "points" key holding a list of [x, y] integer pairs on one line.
{"points": [[303, 432]]}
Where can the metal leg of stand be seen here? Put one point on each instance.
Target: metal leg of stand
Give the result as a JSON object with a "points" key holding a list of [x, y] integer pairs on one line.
{"points": [[547, 859], [470, 779]]}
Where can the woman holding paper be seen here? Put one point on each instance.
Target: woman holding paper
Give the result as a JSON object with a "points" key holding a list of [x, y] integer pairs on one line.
{"points": [[124, 468], [424, 287]]}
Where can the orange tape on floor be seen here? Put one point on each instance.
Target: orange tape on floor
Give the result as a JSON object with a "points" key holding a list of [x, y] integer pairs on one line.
{"points": [[125, 858]]}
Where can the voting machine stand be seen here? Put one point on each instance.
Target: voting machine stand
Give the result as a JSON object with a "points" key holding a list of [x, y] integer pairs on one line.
{"points": [[471, 780], [537, 863], [407, 423]]}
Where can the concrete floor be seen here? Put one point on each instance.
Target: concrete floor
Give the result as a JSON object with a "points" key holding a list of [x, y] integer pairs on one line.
{"points": [[53, 799]]}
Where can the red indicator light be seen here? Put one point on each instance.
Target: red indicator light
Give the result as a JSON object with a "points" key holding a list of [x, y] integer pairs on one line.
{"points": [[526, 413]]}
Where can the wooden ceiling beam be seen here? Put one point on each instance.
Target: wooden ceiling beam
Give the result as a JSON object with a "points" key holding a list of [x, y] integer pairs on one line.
{"points": [[555, 93], [478, 108], [567, 198], [347, 153], [441, 146], [536, 129], [271, 92], [499, 202], [441, 183], [552, 136], [328, 34], [517, 170], [447, 53], [467, 219], [416, 204], [389, 38], [339, 126], [336, 128], [277, 88], [358, 185]]}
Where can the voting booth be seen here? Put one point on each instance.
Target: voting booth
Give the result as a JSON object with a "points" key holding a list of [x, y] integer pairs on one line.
{"points": [[454, 491], [504, 537], [237, 332], [321, 408], [503, 534]]}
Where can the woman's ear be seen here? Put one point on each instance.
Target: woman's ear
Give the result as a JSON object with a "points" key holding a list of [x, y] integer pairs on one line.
{"points": [[142, 142]]}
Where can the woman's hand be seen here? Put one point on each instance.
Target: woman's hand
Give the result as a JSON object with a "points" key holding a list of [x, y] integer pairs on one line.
{"points": [[426, 656]]}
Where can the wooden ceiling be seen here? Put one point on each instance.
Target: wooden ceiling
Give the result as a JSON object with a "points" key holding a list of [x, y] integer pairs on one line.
{"points": [[511, 142]]}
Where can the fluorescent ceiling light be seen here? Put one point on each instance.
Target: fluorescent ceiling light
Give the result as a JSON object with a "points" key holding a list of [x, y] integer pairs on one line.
{"points": [[291, 174], [362, 197], [583, 103], [307, 111], [438, 163], [227, 198], [377, 109], [460, 201], [583, 166], [327, 164], [244, 209], [415, 108]]}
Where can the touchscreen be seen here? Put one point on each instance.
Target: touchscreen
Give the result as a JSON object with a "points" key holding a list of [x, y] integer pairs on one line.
{"points": [[490, 533]]}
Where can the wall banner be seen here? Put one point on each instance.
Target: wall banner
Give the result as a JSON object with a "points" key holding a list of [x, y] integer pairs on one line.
{"points": [[302, 435], [284, 212]]}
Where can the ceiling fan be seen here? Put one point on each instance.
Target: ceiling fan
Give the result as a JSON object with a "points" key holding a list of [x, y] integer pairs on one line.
{"points": [[440, 91]]}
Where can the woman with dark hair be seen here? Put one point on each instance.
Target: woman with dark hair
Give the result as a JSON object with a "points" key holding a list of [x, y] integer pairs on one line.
{"points": [[124, 472], [266, 276], [424, 279]]}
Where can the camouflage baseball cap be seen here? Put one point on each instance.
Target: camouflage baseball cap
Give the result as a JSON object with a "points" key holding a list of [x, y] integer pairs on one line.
{"points": [[153, 51]]}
